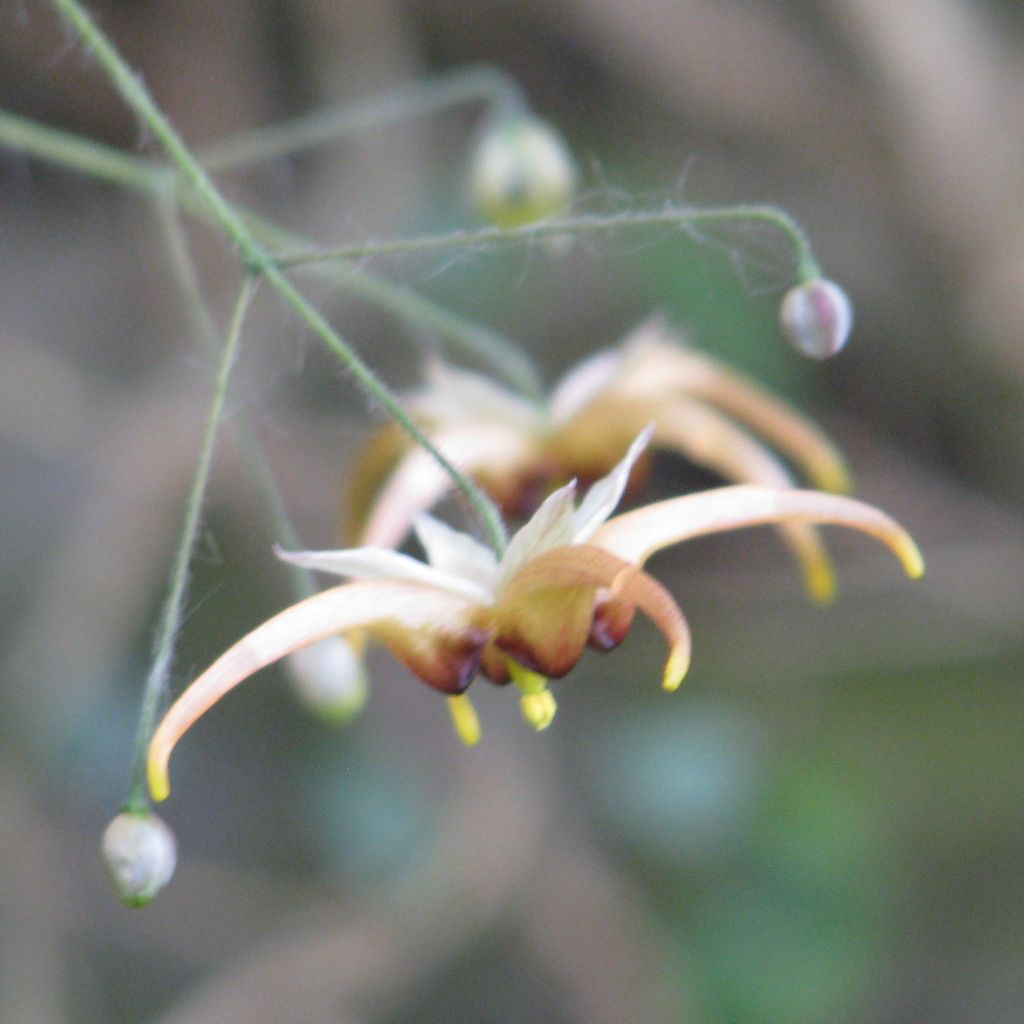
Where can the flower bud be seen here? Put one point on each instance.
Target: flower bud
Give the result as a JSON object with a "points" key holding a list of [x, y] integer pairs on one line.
{"points": [[816, 318], [331, 678], [141, 853], [522, 171]]}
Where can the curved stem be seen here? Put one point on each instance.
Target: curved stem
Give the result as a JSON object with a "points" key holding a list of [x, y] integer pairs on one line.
{"points": [[495, 350], [467, 85], [672, 217], [82, 155], [498, 352]]}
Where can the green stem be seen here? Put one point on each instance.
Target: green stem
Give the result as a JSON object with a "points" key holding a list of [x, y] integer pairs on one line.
{"points": [[103, 163], [258, 261], [82, 155], [323, 126], [672, 217], [171, 615], [491, 348], [471, 339], [107, 164], [183, 268]]}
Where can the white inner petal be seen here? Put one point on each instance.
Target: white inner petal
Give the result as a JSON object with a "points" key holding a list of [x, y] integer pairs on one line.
{"points": [[550, 527], [455, 552], [454, 394], [583, 383], [606, 493], [382, 563]]}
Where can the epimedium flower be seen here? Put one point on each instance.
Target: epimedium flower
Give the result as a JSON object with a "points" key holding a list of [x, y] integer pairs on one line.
{"points": [[518, 450], [570, 577]]}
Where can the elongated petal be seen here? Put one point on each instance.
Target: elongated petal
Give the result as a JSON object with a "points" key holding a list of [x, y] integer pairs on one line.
{"points": [[375, 463], [452, 394], [546, 612], [711, 439], [478, 448], [604, 495], [636, 535], [659, 365], [382, 563], [401, 611], [456, 553], [551, 526], [584, 383], [791, 433]]}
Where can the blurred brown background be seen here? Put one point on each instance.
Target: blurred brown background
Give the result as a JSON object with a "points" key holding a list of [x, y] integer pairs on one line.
{"points": [[825, 824]]}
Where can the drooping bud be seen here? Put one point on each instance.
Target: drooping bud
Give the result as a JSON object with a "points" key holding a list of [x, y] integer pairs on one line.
{"points": [[521, 172], [141, 853], [331, 678], [816, 318]]}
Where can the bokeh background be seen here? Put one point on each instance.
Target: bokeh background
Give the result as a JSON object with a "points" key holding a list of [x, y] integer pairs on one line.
{"points": [[825, 824]]}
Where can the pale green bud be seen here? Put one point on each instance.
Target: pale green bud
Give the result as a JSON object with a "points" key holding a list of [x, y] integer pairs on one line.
{"points": [[141, 852], [330, 676], [816, 318], [521, 172]]}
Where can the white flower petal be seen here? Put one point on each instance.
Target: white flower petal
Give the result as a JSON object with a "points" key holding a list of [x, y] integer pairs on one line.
{"points": [[382, 563], [583, 383], [605, 494], [453, 395], [334, 612], [418, 482], [455, 552], [549, 527], [635, 536]]}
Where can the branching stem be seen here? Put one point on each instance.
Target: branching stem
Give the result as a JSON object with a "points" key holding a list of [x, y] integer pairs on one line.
{"points": [[468, 85], [257, 260], [103, 163]]}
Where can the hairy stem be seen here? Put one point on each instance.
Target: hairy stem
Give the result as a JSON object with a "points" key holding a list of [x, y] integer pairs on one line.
{"points": [[171, 615], [256, 258], [82, 155], [103, 163], [682, 217], [259, 467]]}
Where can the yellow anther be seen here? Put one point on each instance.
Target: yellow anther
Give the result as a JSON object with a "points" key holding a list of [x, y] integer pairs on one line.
{"points": [[539, 708], [464, 719], [527, 681]]}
